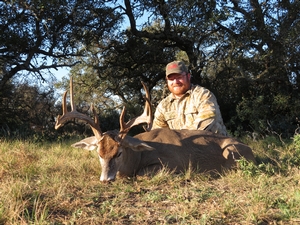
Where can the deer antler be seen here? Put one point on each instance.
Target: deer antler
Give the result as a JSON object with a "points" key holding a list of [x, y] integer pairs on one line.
{"points": [[74, 114], [145, 117]]}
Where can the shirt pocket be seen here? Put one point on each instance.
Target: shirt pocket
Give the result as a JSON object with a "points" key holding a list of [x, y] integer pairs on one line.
{"points": [[190, 117], [191, 110]]}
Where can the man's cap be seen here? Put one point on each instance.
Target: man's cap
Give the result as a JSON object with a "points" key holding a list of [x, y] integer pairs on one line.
{"points": [[175, 67]]}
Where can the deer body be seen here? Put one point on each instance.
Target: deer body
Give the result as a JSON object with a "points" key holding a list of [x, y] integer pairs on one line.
{"points": [[177, 150]]}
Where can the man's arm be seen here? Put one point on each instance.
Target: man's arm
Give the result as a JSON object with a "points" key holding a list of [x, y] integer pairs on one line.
{"points": [[159, 119], [207, 107], [209, 115]]}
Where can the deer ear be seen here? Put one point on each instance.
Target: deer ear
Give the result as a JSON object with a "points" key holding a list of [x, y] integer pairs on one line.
{"points": [[142, 147], [136, 144], [89, 143]]}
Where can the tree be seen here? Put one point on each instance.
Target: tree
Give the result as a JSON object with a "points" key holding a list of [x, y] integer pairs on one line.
{"points": [[27, 109], [37, 36], [133, 55], [261, 54], [40, 35], [241, 50], [246, 52]]}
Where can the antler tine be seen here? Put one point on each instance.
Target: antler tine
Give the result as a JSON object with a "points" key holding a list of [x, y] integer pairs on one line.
{"points": [[73, 107], [64, 107], [148, 108], [94, 124], [145, 117]]}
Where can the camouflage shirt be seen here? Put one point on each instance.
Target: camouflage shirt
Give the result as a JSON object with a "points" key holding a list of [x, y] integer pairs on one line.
{"points": [[197, 109]]}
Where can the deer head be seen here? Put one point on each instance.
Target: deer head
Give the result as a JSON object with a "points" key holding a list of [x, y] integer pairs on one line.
{"points": [[108, 144]]}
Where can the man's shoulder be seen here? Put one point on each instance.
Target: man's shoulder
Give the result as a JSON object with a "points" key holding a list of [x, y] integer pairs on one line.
{"points": [[197, 89], [165, 102], [200, 93], [168, 98]]}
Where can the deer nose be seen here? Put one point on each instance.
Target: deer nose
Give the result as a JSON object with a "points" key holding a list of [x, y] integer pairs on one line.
{"points": [[107, 179]]}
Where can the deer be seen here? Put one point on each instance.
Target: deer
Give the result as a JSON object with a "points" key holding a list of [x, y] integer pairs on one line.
{"points": [[151, 151]]}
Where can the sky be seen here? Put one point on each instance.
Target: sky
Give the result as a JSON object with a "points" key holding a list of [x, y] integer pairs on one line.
{"points": [[60, 72]]}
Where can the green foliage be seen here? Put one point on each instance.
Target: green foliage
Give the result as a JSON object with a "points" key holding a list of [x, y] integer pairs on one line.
{"points": [[273, 156], [40, 35], [250, 169], [277, 113], [296, 142], [27, 110], [293, 156]]}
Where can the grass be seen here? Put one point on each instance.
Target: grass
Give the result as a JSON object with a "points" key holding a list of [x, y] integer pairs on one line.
{"points": [[52, 183]]}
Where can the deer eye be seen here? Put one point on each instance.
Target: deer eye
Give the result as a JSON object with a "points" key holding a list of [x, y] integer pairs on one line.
{"points": [[119, 154]]}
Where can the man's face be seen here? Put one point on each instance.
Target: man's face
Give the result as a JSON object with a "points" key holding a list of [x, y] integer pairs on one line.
{"points": [[178, 83]]}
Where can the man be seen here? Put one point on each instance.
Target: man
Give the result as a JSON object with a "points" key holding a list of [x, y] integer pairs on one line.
{"points": [[188, 106]]}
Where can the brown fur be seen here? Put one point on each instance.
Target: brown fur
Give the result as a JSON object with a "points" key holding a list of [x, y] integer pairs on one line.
{"points": [[202, 150], [177, 150], [108, 147]]}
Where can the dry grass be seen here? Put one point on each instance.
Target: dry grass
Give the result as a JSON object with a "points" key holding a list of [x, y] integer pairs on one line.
{"points": [[55, 184]]}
